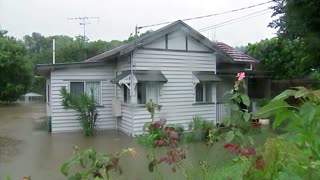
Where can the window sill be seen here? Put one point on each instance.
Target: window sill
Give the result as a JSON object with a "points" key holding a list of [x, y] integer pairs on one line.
{"points": [[203, 103]]}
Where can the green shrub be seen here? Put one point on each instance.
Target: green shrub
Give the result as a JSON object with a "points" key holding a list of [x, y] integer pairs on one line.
{"points": [[89, 164], [199, 129], [85, 105]]}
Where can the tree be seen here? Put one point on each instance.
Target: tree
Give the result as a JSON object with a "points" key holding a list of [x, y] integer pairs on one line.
{"points": [[286, 58], [300, 20], [15, 71]]}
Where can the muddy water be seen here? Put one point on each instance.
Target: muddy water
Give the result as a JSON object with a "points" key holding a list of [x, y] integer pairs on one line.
{"points": [[26, 150]]}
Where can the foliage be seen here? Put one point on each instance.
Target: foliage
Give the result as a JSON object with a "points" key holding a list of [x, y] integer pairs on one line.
{"points": [[239, 123], [301, 120], [299, 20], [39, 84], [85, 105], [158, 134], [262, 102], [287, 59], [37, 49], [89, 164], [315, 74], [199, 129], [15, 71], [152, 107], [276, 159], [68, 49]]}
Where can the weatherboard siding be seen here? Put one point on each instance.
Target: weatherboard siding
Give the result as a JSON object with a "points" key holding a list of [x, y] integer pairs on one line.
{"points": [[177, 95], [66, 120], [125, 121]]}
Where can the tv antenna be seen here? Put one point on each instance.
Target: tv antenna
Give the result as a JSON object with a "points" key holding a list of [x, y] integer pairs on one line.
{"points": [[83, 22]]}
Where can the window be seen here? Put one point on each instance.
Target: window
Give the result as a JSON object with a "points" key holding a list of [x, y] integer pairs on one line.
{"points": [[226, 85], [126, 94], [48, 95], [147, 91], [204, 92], [95, 88], [77, 88]]}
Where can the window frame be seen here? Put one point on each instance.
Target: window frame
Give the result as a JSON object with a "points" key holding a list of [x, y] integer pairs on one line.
{"points": [[204, 92], [148, 84], [84, 88], [128, 100]]}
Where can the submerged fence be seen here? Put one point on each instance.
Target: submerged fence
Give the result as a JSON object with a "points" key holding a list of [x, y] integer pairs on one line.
{"points": [[278, 86]]}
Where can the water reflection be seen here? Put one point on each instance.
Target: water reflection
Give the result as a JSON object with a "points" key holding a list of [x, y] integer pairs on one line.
{"points": [[29, 151]]}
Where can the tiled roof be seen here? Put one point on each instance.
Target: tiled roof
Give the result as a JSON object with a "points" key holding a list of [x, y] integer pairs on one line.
{"points": [[237, 55]]}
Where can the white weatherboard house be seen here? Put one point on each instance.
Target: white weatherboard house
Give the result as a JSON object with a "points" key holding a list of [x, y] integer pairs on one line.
{"points": [[175, 66]]}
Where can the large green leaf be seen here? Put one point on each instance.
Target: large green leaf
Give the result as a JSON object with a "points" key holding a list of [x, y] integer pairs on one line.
{"points": [[302, 92], [246, 116], [65, 168], [239, 135], [274, 107], [83, 162], [245, 99], [307, 112], [284, 95], [152, 165], [229, 136], [250, 140], [280, 116], [235, 107]]}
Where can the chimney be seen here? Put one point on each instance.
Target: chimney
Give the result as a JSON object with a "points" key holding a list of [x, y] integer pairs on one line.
{"points": [[53, 51]]}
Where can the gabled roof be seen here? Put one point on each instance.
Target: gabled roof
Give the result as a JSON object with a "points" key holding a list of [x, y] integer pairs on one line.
{"points": [[177, 25], [237, 55]]}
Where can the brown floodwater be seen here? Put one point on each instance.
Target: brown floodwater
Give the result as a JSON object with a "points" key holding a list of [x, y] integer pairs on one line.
{"points": [[27, 149]]}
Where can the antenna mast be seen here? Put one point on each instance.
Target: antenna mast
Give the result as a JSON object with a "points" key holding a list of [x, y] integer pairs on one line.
{"points": [[83, 22]]}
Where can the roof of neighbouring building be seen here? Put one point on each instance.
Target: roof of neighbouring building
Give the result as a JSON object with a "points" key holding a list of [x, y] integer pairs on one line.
{"points": [[237, 55], [31, 94]]}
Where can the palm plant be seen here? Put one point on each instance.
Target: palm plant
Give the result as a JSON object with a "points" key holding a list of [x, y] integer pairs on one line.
{"points": [[85, 105]]}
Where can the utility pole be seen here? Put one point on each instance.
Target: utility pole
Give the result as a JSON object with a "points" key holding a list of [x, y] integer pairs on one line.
{"points": [[137, 28], [83, 22]]}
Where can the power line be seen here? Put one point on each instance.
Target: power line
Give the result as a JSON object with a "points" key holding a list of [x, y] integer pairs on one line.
{"points": [[232, 20], [206, 16], [243, 19]]}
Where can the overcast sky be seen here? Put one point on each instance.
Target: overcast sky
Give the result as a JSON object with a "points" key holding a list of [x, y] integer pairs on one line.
{"points": [[119, 17]]}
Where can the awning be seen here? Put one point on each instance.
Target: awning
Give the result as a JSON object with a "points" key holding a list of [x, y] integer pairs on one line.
{"points": [[121, 76], [206, 76], [142, 76]]}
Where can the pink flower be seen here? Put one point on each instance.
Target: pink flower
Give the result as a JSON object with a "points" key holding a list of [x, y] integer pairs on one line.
{"points": [[173, 135], [241, 76], [251, 151], [162, 159], [226, 146]]}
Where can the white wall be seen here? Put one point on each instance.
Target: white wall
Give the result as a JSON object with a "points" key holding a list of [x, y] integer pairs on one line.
{"points": [[157, 44], [177, 95], [125, 123], [178, 40], [66, 120]]}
